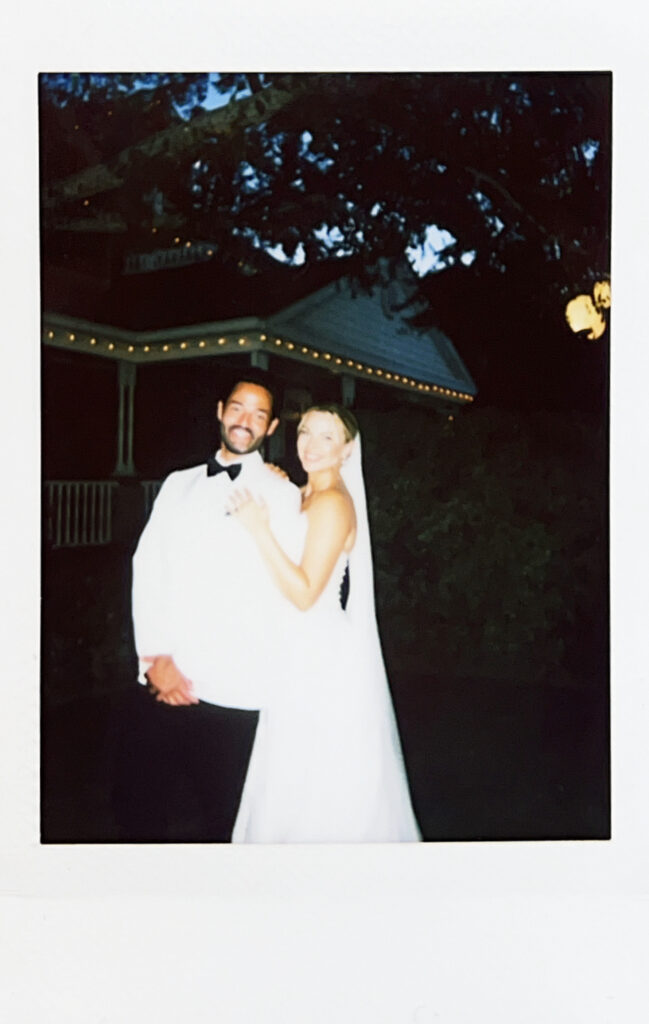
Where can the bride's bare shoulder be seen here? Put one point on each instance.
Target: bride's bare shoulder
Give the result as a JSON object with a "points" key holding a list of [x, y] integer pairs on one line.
{"points": [[329, 502]]}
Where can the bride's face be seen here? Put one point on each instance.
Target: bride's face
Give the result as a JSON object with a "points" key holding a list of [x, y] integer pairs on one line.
{"points": [[321, 442]]}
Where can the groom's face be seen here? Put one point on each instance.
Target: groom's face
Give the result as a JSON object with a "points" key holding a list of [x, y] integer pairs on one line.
{"points": [[246, 419]]}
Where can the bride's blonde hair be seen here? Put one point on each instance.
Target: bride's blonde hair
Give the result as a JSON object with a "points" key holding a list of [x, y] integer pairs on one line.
{"points": [[347, 418]]}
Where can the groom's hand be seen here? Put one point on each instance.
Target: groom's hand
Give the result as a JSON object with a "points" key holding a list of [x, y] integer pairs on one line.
{"points": [[168, 682]]}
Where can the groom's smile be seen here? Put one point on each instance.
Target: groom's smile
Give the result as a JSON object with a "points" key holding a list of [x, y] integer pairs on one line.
{"points": [[245, 419], [241, 432]]}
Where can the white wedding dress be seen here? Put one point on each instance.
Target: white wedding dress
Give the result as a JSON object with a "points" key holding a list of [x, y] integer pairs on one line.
{"points": [[327, 764]]}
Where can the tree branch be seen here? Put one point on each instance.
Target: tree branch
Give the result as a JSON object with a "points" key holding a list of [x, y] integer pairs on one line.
{"points": [[177, 140], [507, 196]]}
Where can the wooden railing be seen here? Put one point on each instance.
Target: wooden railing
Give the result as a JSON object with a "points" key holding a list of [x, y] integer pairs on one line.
{"points": [[79, 513], [150, 488]]}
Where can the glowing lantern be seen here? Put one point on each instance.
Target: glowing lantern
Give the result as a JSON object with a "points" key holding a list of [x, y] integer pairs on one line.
{"points": [[585, 313]]}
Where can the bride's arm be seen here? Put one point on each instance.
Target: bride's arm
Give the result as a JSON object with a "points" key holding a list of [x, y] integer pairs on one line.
{"points": [[329, 520]]}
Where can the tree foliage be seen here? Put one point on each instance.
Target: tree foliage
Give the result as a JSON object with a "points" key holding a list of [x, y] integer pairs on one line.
{"points": [[503, 162], [490, 544]]}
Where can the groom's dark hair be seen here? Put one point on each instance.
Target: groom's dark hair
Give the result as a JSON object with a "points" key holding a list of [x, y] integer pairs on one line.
{"points": [[260, 380]]}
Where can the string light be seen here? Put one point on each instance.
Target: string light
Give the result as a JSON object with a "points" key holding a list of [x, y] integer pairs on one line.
{"points": [[386, 375]]}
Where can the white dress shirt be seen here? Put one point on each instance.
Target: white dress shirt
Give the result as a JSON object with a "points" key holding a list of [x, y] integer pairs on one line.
{"points": [[201, 592]]}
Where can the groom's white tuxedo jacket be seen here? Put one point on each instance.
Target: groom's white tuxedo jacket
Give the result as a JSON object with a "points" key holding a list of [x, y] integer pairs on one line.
{"points": [[201, 592]]}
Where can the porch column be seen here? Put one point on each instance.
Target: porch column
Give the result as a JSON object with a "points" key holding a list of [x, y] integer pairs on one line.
{"points": [[126, 388], [348, 390], [259, 359]]}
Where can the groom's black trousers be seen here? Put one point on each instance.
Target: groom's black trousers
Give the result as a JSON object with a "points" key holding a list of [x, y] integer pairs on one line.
{"points": [[177, 772]]}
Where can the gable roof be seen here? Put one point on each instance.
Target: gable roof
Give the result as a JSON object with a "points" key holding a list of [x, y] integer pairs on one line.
{"points": [[363, 328]]}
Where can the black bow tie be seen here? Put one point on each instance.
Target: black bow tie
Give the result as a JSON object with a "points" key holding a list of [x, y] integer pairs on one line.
{"points": [[214, 467]]}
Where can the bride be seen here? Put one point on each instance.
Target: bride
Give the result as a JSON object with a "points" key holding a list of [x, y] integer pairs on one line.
{"points": [[327, 764]]}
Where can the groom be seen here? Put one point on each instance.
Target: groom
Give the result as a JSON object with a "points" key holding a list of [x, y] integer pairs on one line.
{"points": [[210, 630]]}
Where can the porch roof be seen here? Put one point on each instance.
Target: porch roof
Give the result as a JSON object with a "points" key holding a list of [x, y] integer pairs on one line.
{"points": [[356, 335]]}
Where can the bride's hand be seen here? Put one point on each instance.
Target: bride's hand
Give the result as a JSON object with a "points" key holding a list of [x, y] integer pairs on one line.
{"points": [[250, 513]]}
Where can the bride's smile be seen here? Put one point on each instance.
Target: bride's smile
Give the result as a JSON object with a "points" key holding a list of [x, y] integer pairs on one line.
{"points": [[321, 442]]}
